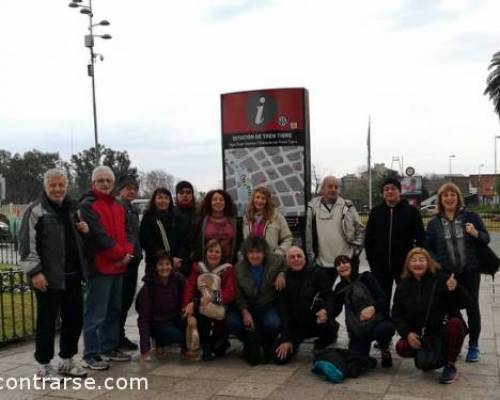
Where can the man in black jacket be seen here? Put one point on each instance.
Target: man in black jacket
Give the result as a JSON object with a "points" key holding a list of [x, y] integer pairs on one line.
{"points": [[307, 308], [394, 227]]}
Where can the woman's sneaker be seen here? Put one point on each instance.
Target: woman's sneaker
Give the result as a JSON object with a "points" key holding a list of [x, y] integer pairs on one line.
{"points": [[473, 354], [68, 368], [96, 363], [449, 374], [47, 373], [116, 355]]}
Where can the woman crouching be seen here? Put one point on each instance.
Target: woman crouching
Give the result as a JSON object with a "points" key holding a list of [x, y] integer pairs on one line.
{"points": [[209, 290], [426, 310]]}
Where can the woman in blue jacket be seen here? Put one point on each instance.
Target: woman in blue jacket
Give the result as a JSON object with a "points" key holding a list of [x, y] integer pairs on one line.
{"points": [[452, 239]]}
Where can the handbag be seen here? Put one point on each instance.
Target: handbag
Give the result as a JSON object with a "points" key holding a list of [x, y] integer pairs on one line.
{"points": [[488, 260], [430, 356], [209, 285], [357, 298]]}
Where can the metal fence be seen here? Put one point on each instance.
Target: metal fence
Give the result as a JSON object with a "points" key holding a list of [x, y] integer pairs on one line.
{"points": [[17, 306], [9, 251]]}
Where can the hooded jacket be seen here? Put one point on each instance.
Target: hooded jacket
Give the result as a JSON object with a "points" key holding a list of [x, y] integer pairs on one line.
{"points": [[391, 232], [108, 241], [157, 302]]}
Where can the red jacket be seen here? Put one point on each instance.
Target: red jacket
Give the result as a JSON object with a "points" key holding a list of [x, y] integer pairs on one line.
{"points": [[228, 285], [108, 240]]}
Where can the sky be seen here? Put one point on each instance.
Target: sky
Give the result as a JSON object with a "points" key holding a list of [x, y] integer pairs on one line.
{"points": [[417, 67]]}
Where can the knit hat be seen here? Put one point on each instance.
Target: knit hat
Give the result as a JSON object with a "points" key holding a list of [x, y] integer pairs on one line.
{"points": [[183, 185], [127, 180], [391, 181]]}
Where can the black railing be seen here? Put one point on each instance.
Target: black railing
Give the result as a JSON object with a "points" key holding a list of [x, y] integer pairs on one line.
{"points": [[17, 306]]}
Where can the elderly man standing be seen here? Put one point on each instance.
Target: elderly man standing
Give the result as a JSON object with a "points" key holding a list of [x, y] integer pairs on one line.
{"points": [[51, 251], [109, 251], [333, 228]]}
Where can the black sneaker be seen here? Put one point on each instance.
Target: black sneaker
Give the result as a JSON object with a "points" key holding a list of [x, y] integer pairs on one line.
{"points": [[449, 374], [116, 355], [127, 344], [96, 363], [386, 358]]}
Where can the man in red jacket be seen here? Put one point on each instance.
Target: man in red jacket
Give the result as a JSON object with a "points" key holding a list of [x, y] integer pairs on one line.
{"points": [[108, 251]]}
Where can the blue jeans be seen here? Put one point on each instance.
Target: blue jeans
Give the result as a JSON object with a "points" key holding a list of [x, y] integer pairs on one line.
{"points": [[101, 317], [266, 317], [169, 333]]}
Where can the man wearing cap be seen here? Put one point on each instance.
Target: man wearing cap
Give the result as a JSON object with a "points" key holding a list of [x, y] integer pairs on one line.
{"points": [[185, 214], [128, 187], [394, 227]]}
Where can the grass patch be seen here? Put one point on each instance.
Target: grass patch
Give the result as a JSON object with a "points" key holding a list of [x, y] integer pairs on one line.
{"points": [[12, 315]]}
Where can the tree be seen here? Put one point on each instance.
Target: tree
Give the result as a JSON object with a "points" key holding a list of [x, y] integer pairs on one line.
{"points": [[83, 163], [493, 82], [154, 179]]}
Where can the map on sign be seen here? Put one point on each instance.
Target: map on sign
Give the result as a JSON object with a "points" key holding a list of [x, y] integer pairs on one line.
{"points": [[280, 168]]}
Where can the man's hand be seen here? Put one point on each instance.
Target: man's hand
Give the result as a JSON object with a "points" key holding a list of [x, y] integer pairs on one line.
{"points": [[280, 282], [247, 319], [322, 316], [126, 259], [82, 227], [39, 282], [414, 341], [367, 313], [283, 350]]}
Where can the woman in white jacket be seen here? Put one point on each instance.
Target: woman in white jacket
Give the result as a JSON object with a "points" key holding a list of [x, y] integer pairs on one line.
{"points": [[263, 219]]}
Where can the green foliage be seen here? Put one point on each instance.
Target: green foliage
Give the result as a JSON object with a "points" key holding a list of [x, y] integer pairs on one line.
{"points": [[493, 82]]}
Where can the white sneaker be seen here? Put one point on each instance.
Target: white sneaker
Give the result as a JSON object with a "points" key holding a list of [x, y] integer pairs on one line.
{"points": [[47, 373], [68, 368]]}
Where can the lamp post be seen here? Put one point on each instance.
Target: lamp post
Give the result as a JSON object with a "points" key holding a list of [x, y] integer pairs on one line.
{"points": [[89, 43], [450, 158], [479, 181], [495, 147]]}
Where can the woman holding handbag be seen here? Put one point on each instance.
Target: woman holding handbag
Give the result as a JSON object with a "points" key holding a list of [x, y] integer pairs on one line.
{"points": [[426, 309], [209, 290], [453, 237], [366, 318], [160, 231]]}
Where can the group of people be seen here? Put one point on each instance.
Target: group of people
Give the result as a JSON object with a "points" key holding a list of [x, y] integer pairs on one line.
{"points": [[209, 276]]}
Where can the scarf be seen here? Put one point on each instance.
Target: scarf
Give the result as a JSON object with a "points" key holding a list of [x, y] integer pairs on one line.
{"points": [[455, 243]]}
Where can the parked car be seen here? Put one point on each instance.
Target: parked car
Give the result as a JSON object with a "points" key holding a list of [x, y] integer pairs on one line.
{"points": [[4, 231], [429, 210]]}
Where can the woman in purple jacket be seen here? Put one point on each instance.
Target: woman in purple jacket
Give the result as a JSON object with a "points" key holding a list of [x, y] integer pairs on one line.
{"points": [[159, 307]]}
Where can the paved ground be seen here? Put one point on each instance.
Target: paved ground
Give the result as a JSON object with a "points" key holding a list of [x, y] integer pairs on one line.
{"points": [[231, 379]]}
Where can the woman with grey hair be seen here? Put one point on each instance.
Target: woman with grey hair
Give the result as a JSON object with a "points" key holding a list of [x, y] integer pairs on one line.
{"points": [[51, 251]]}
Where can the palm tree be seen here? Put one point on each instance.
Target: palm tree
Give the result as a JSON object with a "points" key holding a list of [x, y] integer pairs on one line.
{"points": [[493, 82]]}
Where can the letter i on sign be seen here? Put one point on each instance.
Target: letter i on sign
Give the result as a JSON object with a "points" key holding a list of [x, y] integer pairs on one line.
{"points": [[259, 117]]}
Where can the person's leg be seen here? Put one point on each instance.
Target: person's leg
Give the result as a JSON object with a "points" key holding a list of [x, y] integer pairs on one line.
{"points": [[270, 322], [360, 347], [404, 349], [71, 317], [108, 333], [47, 305], [96, 298], [234, 323], [167, 334], [385, 281], [128, 293], [205, 329], [383, 333], [471, 282], [454, 333]]}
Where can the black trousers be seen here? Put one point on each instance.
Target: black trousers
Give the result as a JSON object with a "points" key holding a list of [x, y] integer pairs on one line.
{"points": [[386, 281], [128, 292], [471, 280], [70, 304]]}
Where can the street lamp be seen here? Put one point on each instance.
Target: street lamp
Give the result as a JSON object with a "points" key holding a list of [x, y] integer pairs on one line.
{"points": [[89, 43], [450, 158], [479, 180], [495, 146]]}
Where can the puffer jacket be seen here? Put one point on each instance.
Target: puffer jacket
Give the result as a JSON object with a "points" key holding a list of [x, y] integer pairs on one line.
{"points": [[436, 243], [276, 232], [108, 240], [42, 242], [248, 294]]}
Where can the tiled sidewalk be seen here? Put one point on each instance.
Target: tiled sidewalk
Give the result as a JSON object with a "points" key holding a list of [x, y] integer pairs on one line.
{"points": [[231, 378]]}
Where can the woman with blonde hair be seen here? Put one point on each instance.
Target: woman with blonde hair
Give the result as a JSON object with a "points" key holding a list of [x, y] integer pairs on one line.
{"points": [[452, 238], [263, 219], [426, 307]]}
